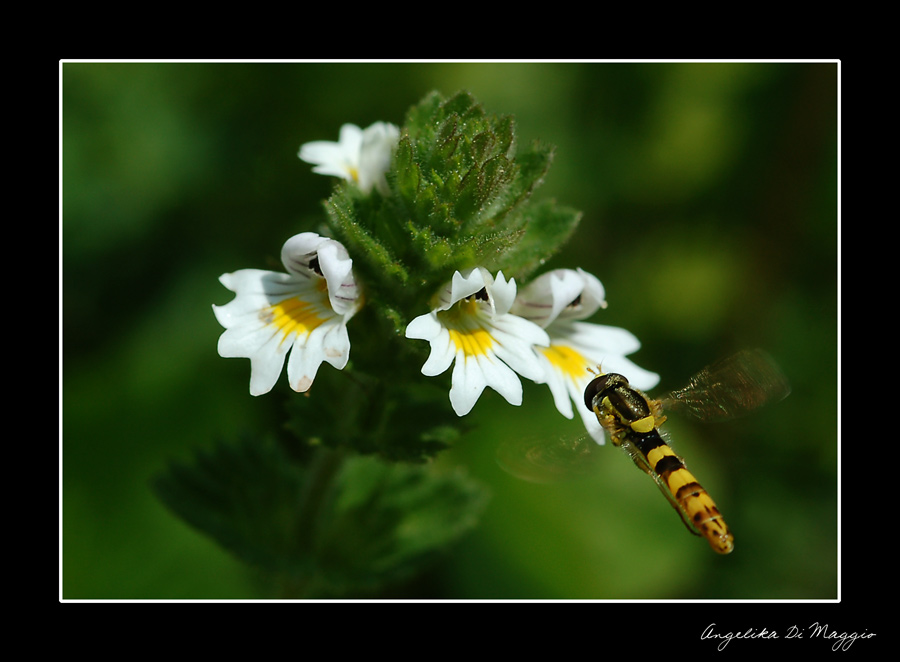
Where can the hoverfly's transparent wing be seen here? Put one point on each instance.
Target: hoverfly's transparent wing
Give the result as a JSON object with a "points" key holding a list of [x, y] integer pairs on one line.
{"points": [[548, 459], [731, 387]]}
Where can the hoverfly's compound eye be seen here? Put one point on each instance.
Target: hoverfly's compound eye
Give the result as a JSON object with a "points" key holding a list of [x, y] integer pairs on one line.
{"points": [[591, 390], [600, 384]]}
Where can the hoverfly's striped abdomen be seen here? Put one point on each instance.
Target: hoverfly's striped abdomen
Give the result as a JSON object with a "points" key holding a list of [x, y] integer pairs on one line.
{"points": [[696, 507], [632, 421]]}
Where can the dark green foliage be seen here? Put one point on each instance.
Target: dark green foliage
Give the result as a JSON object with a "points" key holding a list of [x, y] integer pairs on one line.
{"points": [[401, 417], [548, 226], [329, 525]]}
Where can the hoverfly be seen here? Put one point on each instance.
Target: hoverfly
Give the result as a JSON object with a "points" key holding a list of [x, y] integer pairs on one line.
{"points": [[726, 389]]}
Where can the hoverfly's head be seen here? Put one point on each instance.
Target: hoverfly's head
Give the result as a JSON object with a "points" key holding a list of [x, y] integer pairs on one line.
{"points": [[599, 386]]}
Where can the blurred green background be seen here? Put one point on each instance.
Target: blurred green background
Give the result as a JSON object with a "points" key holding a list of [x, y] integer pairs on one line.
{"points": [[709, 194]]}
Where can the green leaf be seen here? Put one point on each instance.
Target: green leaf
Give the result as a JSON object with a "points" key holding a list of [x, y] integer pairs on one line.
{"points": [[373, 259], [547, 229], [406, 172], [377, 405], [532, 166], [326, 526], [245, 496], [463, 104], [392, 520]]}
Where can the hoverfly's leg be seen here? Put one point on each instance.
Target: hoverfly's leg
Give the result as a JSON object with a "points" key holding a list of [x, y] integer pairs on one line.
{"points": [[609, 423], [656, 408], [639, 460]]}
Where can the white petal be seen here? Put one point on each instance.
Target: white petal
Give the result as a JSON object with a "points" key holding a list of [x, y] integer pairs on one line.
{"points": [[266, 363], [349, 141], [304, 361], [521, 329], [350, 138], [466, 284], [593, 296], [525, 363], [515, 339], [376, 149], [337, 268], [502, 293], [299, 251], [501, 378], [468, 383], [328, 343], [235, 312], [260, 288], [597, 337], [565, 287], [340, 159], [336, 344], [636, 376], [328, 157], [424, 327], [557, 384], [605, 346], [334, 261], [246, 339], [378, 136], [575, 393], [542, 300], [363, 157], [442, 354]]}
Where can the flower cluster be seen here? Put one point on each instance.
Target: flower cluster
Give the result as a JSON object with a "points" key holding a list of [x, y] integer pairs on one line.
{"points": [[491, 331]]}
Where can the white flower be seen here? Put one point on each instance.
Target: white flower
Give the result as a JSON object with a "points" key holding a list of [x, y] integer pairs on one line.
{"points": [[556, 301], [361, 157], [471, 324], [305, 311]]}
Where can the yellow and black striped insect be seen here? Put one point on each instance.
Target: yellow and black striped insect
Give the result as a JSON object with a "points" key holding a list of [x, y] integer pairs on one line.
{"points": [[727, 389]]}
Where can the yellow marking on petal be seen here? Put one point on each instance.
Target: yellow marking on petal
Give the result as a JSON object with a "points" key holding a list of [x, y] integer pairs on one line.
{"points": [[354, 174], [292, 315], [473, 342], [466, 333], [565, 359]]}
